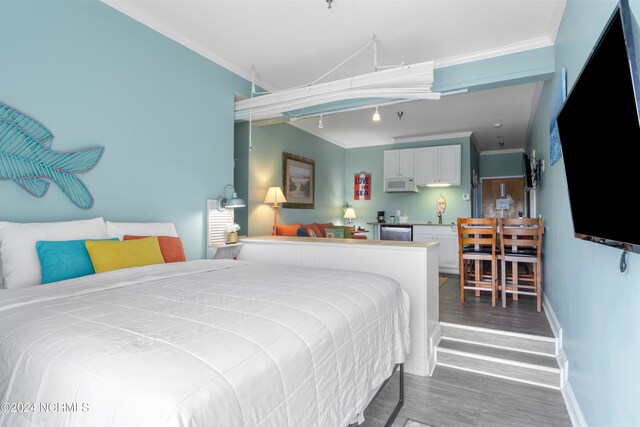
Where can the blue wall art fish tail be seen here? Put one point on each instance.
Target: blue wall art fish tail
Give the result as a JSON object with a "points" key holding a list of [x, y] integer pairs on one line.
{"points": [[27, 159], [35, 186], [73, 188]]}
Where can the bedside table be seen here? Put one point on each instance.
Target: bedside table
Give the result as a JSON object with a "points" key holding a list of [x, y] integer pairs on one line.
{"points": [[224, 251]]}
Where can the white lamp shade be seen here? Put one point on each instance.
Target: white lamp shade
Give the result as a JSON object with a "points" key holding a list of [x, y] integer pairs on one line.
{"points": [[350, 213], [274, 195]]}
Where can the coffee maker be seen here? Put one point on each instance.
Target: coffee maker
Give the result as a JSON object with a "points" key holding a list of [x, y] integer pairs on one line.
{"points": [[381, 217]]}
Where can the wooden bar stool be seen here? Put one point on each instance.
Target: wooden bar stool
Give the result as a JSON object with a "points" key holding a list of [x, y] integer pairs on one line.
{"points": [[477, 244], [521, 244]]}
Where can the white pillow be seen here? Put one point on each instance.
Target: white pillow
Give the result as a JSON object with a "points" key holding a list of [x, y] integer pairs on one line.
{"points": [[20, 264], [119, 229]]}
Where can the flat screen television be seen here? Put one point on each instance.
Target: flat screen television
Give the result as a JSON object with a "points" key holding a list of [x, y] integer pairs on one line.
{"points": [[527, 172], [599, 128]]}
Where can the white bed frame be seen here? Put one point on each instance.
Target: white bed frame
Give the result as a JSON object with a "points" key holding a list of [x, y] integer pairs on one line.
{"points": [[412, 264]]}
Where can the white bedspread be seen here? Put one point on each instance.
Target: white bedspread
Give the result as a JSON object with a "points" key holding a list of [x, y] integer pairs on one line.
{"points": [[203, 343]]}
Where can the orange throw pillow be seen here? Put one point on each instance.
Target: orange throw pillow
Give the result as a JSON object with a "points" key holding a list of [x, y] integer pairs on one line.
{"points": [[314, 228], [322, 227], [171, 247], [287, 230]]}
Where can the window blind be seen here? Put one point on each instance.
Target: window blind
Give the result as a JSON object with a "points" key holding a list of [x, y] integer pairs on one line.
{"points": [[217, 223]]}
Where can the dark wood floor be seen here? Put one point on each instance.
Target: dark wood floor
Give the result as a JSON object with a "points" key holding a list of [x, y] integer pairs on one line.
{"points": [[453, 398], [519, 316]]}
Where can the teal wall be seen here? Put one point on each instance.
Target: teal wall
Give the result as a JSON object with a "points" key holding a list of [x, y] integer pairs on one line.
{"points": [[596, 305], [96, 77], [420, 206], [506, 164], [265, 170]]}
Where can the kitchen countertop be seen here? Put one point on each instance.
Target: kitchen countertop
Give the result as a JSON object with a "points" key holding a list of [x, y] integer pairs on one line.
{"points": [[413, 223], [324, 241]]}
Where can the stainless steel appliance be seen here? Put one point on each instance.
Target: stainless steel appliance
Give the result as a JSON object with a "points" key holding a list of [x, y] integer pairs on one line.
{"points": [[402, 233]]}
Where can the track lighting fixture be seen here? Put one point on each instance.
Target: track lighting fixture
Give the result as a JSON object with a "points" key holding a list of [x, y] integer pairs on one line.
{"points": [[376, 115], [320, 124]]}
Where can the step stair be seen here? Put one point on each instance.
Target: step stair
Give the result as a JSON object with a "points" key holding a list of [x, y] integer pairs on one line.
{"points": [[517, 357]]}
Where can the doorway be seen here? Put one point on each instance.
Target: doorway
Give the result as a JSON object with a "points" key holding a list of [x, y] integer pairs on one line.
{"points": [[514, 187]]}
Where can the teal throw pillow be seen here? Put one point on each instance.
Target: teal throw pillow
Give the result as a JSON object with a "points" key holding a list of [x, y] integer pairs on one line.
{"points": [[64, 260], [334, 233]]}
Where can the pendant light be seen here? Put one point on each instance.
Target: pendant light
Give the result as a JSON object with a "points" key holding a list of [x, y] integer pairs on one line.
{"points": [[320, 124], [376, 115]]}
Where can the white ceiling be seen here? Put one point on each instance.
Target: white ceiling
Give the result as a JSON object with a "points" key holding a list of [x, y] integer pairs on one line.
{"points": [[292, 42], [511, 107]]}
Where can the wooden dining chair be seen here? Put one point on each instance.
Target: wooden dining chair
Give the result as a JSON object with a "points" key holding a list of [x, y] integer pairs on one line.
{"points": [[521, 246], [477, 245]]}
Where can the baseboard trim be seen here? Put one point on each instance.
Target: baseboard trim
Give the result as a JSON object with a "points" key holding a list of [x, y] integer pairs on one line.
{"points": [[573, 408], [434, 341], [416, 366], [556, 328], [570, 401]]}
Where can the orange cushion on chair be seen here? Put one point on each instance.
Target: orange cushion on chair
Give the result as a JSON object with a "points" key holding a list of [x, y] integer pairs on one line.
{"points": [[323, 226], [287, 230], [170, 247], [314, 228]]}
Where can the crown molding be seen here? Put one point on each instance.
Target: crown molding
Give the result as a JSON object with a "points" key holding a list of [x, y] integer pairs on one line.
{"points": [[128, 9], [430, 137], [556, 19], [509, 49]]}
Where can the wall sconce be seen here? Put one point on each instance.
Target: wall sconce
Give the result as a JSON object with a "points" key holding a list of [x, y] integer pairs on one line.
{"points": [[232, 203]]}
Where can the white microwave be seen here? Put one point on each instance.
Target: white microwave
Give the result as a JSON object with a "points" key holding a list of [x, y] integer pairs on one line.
{"points": [[399, 185]]}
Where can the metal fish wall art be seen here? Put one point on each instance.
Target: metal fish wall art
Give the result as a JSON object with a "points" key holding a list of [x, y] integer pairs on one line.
{"points": [[27, 159]]}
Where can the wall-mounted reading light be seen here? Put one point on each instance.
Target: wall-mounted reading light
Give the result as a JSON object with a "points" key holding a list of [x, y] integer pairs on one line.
{"points": [[232, 203]]}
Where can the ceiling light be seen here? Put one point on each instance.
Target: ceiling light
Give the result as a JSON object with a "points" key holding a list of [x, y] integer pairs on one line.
{"points": [[376, 116], [497, 125], [320, 124], [400, 114], [329, 3]]}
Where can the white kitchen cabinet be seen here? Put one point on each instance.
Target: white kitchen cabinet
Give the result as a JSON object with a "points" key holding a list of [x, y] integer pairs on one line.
{"points": [[438, 165], [399, 163], [447, 236], [426, 165], [449, 159]]}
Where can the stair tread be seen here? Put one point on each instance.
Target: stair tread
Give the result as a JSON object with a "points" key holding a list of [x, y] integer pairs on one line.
{"points": [[510, 355], [497, 338]]}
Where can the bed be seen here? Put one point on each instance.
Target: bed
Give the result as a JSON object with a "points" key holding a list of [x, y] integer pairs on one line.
{"points": [[201, 343]]}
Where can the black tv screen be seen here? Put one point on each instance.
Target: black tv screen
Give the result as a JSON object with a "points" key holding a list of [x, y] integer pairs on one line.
{"points": [[526, 172], [600, 137]]}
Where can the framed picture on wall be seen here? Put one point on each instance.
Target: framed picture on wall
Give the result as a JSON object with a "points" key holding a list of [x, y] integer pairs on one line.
{"points": [[298, 181]]}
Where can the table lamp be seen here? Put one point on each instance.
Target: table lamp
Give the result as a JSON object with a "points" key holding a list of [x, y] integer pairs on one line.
{"points": [[274, 195], [350, 215]]}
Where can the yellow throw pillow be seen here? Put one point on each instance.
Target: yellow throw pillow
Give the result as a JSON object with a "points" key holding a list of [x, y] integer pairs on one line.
{"points": [[115, 255]]}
